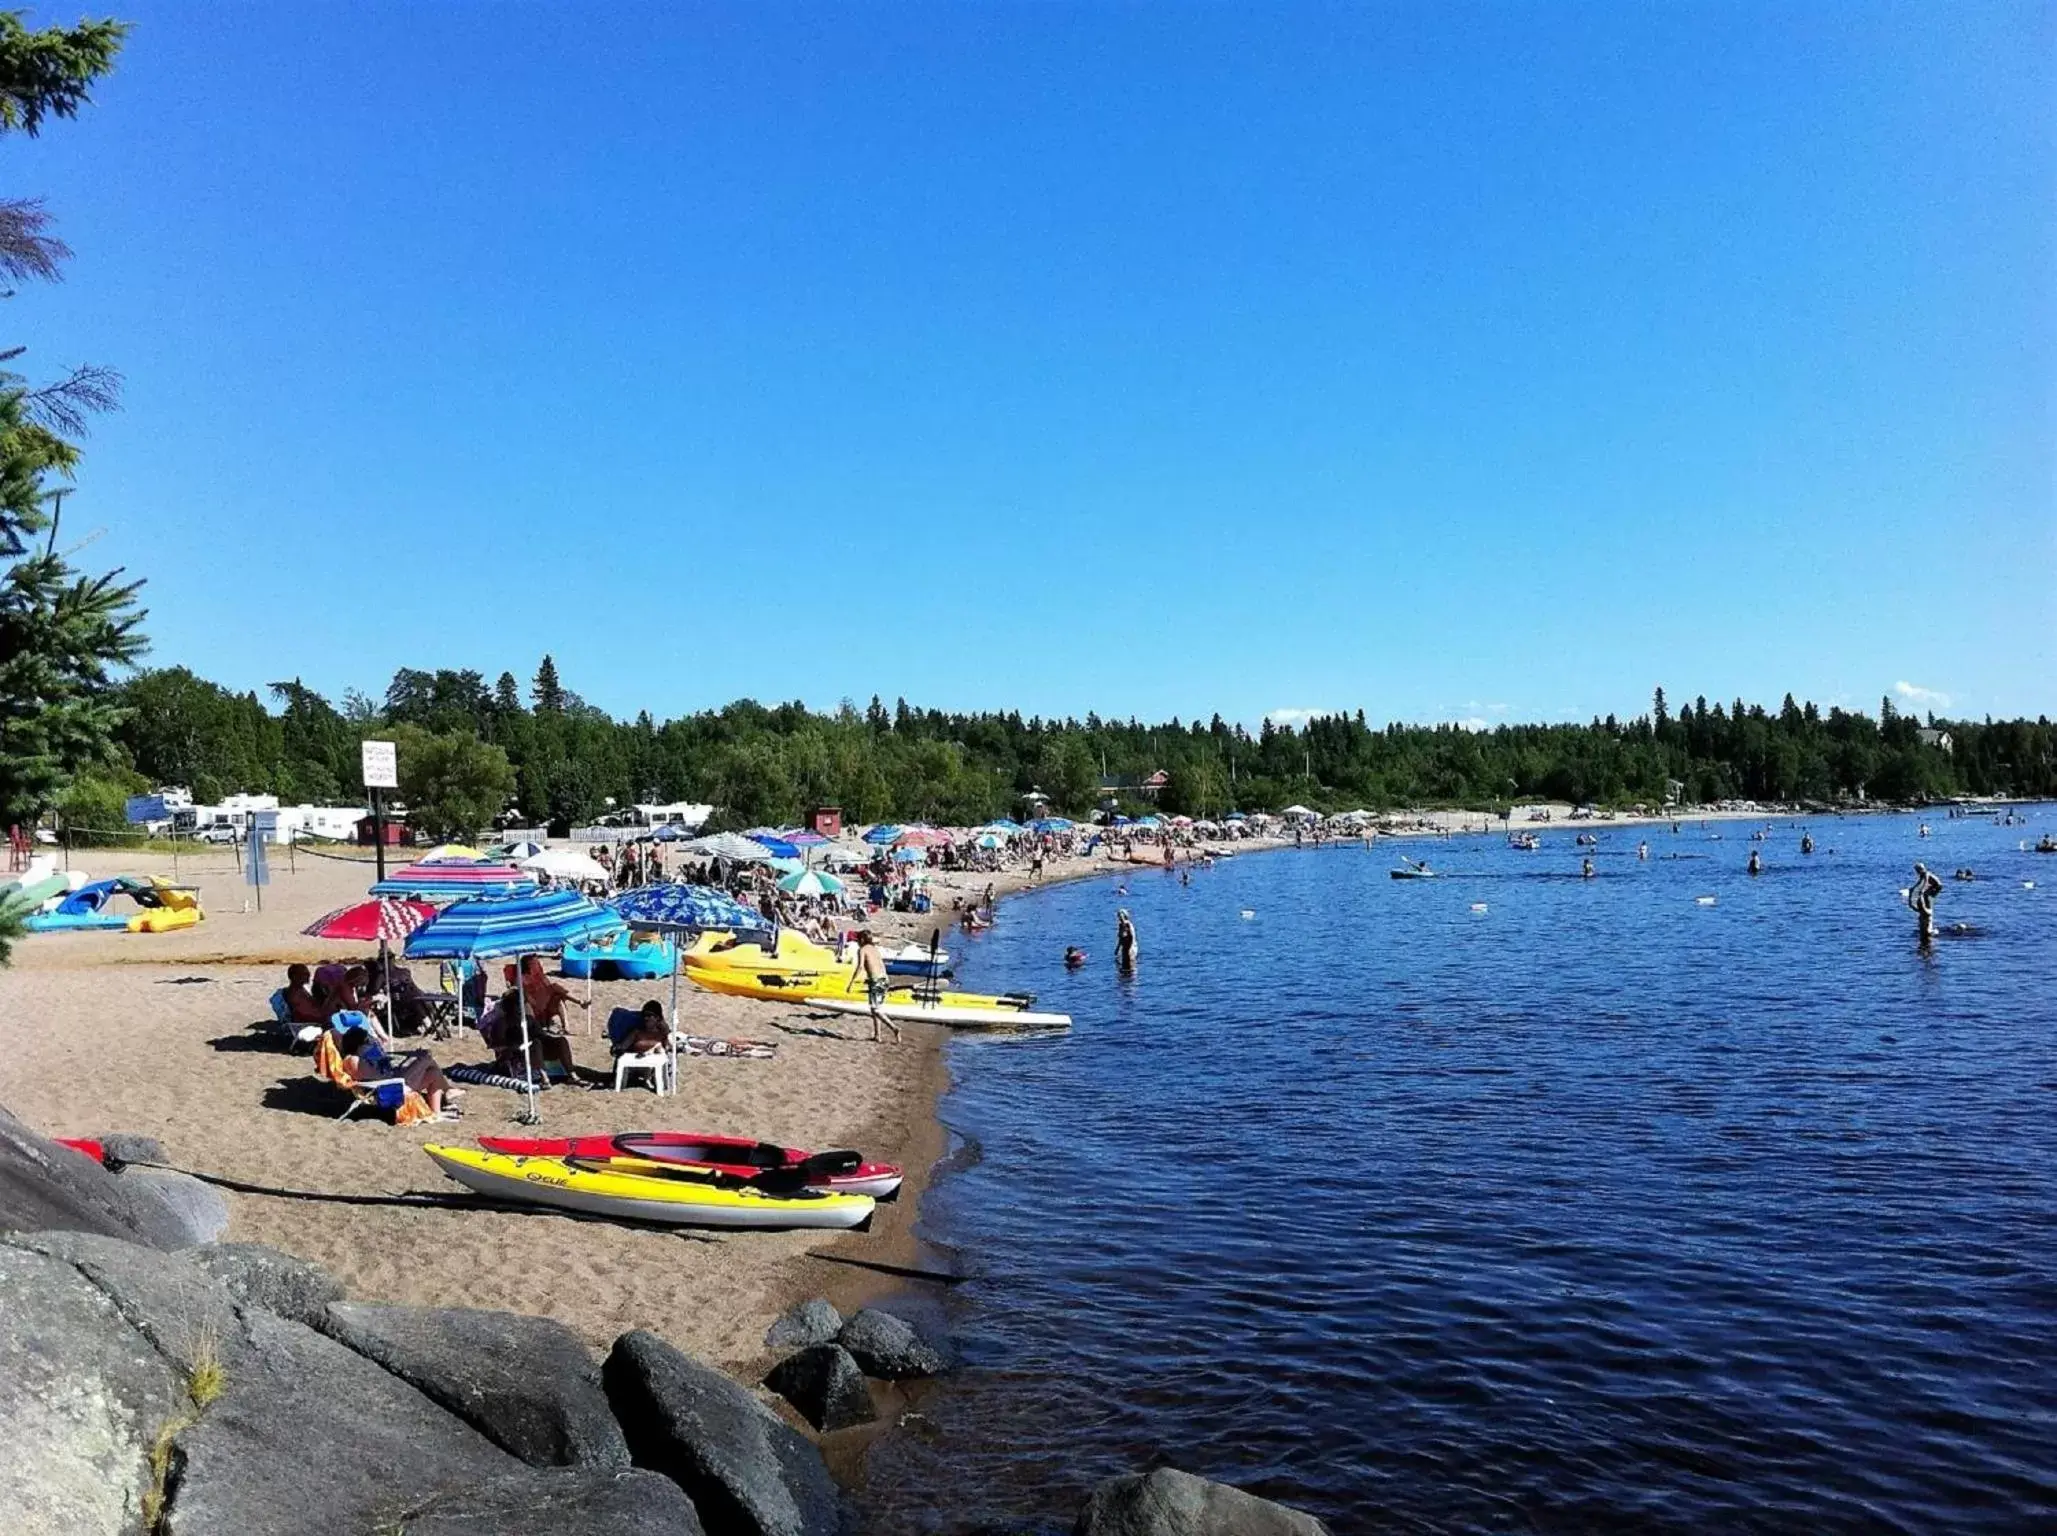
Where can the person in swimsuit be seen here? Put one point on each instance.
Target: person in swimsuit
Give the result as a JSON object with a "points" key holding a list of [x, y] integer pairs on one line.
{"points": [[1124, 941], [1921, 896], [871, 965]]}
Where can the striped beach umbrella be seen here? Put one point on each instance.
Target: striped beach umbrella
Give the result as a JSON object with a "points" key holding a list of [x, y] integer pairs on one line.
{"points": [[453, 881], [811, 882], [922, 837], [679, 908], [882, 834]]}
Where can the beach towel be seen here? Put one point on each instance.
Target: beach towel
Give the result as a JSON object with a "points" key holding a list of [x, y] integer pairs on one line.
{"points": [[704, 1045], [486, 1077], [328, 1066]]}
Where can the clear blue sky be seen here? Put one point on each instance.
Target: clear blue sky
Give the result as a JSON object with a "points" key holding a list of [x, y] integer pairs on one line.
{"points": [[1492, 361]]}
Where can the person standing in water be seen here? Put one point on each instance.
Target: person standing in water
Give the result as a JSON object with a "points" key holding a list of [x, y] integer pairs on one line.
{"points": [[1756, 865], [1643, 851], [1124, 941], [871, 965], [1586, 872], [1806, 842], [1921, 896]]}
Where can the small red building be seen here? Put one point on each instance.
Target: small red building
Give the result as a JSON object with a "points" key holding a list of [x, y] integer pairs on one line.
{"points": [[827, 820], [397, 834]]}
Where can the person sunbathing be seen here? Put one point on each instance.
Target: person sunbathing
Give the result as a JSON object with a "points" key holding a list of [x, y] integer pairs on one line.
{"points": [[546, 997], [301, 1007], [365, 1061]]}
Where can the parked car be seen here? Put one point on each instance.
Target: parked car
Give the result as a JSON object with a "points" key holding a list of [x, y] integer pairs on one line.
{"points": [[221, 834]]}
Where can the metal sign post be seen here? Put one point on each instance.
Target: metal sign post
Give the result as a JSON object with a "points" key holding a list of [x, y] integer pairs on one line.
{"points": [[381, 771], [256, 869]]}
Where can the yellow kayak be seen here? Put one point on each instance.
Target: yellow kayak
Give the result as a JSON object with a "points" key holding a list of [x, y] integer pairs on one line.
{"points": [[906, 1000], [645, 1190]]}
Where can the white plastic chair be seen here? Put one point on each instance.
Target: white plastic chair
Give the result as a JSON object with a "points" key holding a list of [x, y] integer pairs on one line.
{"points": [[657, 1063]]}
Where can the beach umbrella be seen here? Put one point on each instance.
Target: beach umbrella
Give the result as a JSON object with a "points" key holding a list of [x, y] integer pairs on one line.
{"points": [[487, 927], [1235, 816], [811, 882], [777, 847], [922, 837], [675, 907], [516, 852], [382, 920], [449, 882], [1052, 824], [909, 856], [669, 832], [805, 837], [882, 834], [1296, 810], [730, 845], [1004, 825], [565, 864], [1152, 822], [786, 866], [987, 840]]}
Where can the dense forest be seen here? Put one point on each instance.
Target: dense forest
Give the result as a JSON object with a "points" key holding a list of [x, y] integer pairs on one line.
{"points": [[470, 749]]}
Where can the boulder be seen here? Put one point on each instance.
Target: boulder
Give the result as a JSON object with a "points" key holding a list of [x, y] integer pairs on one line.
{"points": [[83, 1398], [48, 1188], [128, 1147], [747, 1473], [525, 1383], [179, 1310], [308, 1438], [824, 1383], [199, 1213], [561, 1501], [257, 1276], [888, 1348], [1172, 1503], [811, 1322]]}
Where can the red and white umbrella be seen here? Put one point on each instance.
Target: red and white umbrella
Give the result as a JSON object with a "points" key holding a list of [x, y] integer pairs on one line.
{"points": [[385, 919]]}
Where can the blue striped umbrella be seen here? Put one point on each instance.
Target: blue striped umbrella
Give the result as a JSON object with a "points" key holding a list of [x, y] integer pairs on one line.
{"points": [[882, 834], [486, 926]]}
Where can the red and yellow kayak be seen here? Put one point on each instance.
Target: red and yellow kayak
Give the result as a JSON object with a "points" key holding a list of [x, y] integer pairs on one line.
{"points": [[843, 1173]]}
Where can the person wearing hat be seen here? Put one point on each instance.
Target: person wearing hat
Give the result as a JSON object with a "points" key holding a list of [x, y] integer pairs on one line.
{"points": [[871, 965]]}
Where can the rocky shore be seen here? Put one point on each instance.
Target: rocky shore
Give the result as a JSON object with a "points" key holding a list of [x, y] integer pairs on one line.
{"points": [[155, 1381]]}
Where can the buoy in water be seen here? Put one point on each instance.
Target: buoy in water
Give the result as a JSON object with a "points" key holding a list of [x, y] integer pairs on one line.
{"points": [[1478, 906], [1248, 913], [2028, 885], [1703, 901]]}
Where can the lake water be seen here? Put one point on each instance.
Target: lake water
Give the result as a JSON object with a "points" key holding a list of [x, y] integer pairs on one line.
{"points": [[1598, 1209]]}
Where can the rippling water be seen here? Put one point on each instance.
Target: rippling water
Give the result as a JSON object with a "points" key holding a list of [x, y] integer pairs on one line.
{"points": [[1599, 1209]]}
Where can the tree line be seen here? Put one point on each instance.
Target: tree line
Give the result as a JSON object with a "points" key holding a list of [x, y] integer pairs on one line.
{"points": [[471, 750]]}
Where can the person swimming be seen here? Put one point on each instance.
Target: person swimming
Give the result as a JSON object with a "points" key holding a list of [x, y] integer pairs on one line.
{"points": [[1074, 957]]}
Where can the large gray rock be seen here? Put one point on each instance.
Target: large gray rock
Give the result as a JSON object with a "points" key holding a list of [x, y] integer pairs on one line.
{"points": [[180, 1310], [824, 1383], [526, 1383], [311, 1439], [48, 1188], [747, 1473], [560, 1501], [198, 1211], [811, 1322], [83, 1397], [888, 1348], [1172, 1503], [128, 1147], [257, 1276]]}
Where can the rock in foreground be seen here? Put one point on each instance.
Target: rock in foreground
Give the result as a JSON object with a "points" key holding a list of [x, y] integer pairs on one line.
{"points": [[811, 1322], [824, 1383], [1172, 1503], [526, 1383], [257, 1276], [885, 1347], [747, 1473], [560, 1501]]}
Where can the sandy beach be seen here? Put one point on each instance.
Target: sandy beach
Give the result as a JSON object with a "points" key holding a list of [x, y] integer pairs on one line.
{"points": [[153, 1034]]}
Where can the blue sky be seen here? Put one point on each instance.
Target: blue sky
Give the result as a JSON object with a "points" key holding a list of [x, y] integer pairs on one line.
{"points": [[1451, 362]]}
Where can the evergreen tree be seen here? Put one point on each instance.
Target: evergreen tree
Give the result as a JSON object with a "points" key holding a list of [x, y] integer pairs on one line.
{"points": [[546, 692], [63, 635], [507, 695]]}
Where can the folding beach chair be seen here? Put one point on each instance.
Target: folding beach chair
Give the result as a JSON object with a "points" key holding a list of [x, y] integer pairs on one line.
{"points": [[389, 1094]]}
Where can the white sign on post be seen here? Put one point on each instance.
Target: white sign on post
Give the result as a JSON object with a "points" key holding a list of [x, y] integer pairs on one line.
{"points": [[381, 766]]}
